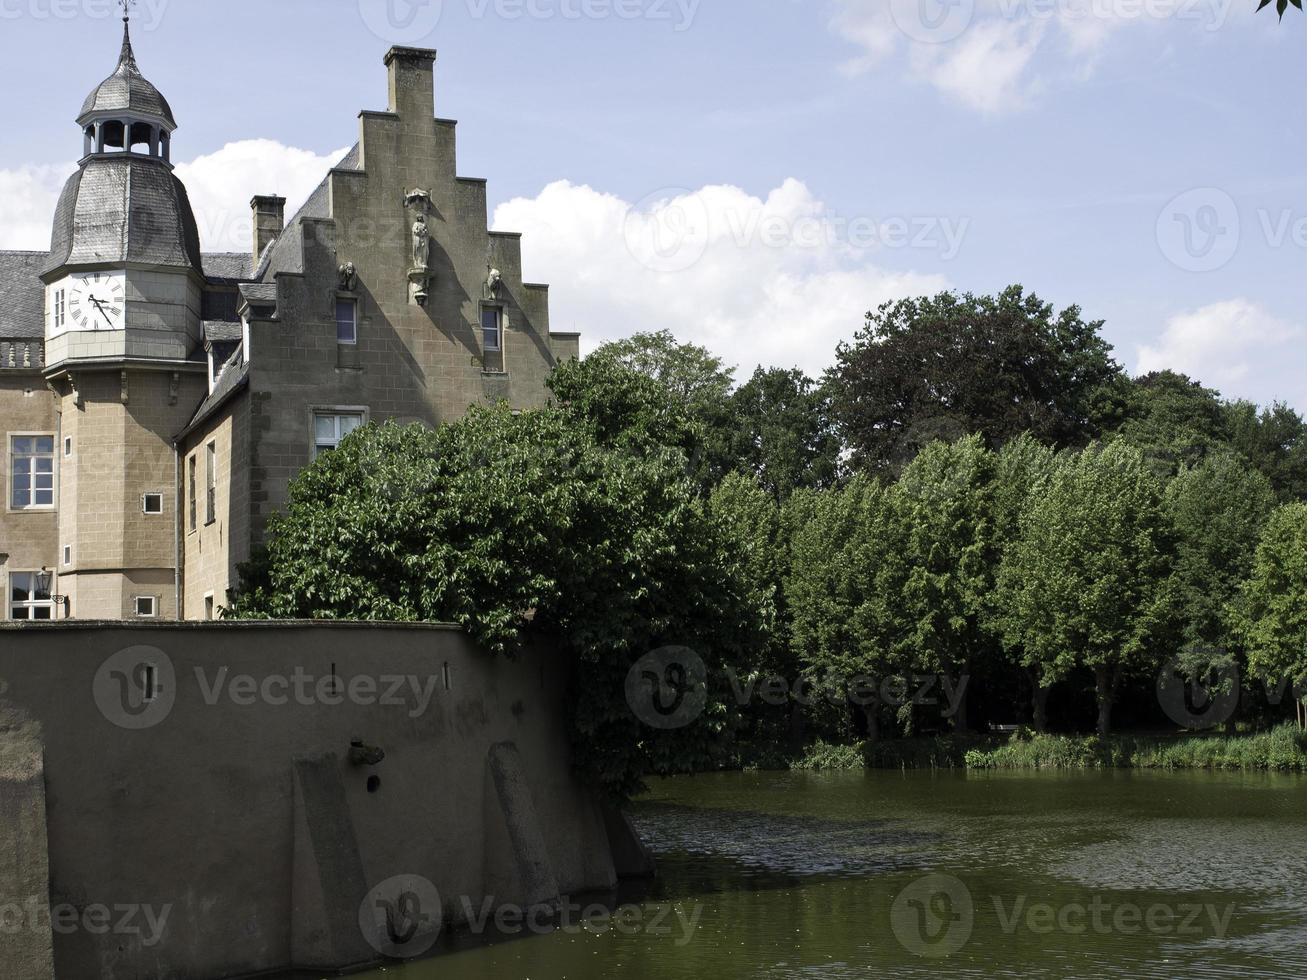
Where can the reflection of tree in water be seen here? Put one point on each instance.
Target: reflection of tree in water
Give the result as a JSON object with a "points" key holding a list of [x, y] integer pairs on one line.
{"points": [[752, 846]]}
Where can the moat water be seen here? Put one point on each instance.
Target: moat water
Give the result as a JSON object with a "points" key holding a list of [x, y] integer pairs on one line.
{"points": [[1031, 875]]}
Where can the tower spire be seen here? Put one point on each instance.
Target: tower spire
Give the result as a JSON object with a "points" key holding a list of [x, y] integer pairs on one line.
{"points": [[127, 60]]}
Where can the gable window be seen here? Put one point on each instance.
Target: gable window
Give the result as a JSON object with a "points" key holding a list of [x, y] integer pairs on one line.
{"points": [[31, 472], [29, 596], [191, 492], [211, 483], [492, 329], [330, 428], [347, 321]]}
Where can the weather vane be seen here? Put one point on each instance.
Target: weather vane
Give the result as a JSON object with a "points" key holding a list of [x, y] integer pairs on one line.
{"points": [[127, 6]]}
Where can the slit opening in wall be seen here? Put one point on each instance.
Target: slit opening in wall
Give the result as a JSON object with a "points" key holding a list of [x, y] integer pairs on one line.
{"points": [[149, 682], [374, 783], [447, 678]]}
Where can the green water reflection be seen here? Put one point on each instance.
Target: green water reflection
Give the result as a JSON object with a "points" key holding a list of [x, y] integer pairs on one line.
{"points": [[1037, 875]]}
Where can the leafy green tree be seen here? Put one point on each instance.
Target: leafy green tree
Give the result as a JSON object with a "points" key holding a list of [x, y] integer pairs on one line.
{"points": [[1280, 5], [839, 589], [783, 433], [944, 367], [1273, 614], [522, 528], [1020, 473], [693, 374], [1174, 420], [945, 505], [681, 397], [1218, 510], [624, 409], [1275, 442], [1089, 582]]}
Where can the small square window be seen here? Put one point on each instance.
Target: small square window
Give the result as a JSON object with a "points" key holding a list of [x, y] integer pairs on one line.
{"points": [[147, 606], [347, 321], [152, 503], [330, 429]]}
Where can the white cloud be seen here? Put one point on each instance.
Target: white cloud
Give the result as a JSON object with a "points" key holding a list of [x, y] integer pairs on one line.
{"points": [[776, 281], [220, 186], [1235, 346], [29, 195], [996, 56]]}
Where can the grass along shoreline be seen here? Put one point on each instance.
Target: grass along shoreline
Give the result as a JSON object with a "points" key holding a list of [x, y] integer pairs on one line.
{"points": [[1282, 749]]}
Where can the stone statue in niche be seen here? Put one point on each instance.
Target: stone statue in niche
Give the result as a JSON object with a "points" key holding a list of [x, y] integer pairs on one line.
{"points": [[419, 274], [421, 243], [493, 281], [348, 277]]}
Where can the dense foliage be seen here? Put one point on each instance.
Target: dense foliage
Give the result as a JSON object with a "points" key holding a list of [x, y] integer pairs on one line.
{"points": [[943, 367], [976, 497]]}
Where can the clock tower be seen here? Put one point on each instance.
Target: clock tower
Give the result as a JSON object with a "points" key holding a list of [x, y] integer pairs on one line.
{"points": [[124, 295]]}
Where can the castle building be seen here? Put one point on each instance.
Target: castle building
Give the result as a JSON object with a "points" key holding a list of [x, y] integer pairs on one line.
{"points": [[156, 400]]}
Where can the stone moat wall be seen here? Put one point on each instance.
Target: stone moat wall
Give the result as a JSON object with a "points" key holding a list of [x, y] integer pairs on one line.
{"points": [[208, 781]]}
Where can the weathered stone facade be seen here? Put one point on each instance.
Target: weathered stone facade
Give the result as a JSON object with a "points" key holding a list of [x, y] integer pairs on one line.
{"points": [[181, 414]]}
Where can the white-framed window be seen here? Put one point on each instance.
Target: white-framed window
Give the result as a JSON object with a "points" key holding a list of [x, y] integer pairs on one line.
{"points": [[29, 596], [60, 309], [68, 554], [68, 445], [329, 428], [208, 606], [347, 321], [152, 503], [31, 472], [211, 483], [146, 606], [492, 328]]}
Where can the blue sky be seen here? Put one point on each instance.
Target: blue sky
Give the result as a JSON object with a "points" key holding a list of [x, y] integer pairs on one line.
{"points": [[797, 161]]}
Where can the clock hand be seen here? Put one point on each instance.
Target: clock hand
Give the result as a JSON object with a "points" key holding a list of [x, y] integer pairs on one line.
{"points": [[100, 306]]}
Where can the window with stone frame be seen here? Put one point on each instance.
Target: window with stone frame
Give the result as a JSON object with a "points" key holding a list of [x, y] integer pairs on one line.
{"points": [[29, 596], [347, 321], [330, 428], [31, 472]]}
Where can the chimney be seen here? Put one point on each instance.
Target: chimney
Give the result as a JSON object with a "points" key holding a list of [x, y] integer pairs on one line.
{"points": [[412, 83], [269, 220]]}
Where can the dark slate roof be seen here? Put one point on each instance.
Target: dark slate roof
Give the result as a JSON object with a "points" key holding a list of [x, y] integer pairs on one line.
{"points": [[22, 295], [124, 209], [233, 378], [227, 265], [127, 90], [259, 292], [221, 330], [286, 254]]}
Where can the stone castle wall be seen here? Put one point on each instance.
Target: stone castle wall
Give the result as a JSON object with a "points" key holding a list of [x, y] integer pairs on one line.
{"points": [[231, 801]]}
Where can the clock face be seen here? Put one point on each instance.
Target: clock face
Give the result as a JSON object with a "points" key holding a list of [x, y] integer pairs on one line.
{"points": [[96, 301]]}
